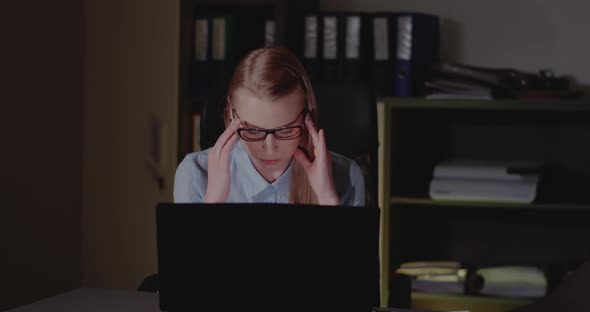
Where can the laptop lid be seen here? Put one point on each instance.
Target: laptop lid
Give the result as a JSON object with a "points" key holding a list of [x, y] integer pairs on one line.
{"points": [[274, 256]]}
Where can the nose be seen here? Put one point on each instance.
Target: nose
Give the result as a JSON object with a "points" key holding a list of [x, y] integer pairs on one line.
{"points": [[270, 143]]}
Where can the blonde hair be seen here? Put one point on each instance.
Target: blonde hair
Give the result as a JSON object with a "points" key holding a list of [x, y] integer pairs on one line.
{"points": [[274, 73]]}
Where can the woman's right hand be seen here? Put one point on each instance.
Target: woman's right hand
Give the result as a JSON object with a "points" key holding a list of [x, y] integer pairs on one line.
{"points": [[218, 180]]}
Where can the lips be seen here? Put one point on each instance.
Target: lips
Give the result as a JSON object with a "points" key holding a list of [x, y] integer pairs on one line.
{"points": [[270, 161]]}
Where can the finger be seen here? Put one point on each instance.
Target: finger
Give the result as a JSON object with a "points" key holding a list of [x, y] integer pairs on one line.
{"points": [[231, 128], [228, 146], [226, 135], [312, 130], [302, 158], [322, 142]]}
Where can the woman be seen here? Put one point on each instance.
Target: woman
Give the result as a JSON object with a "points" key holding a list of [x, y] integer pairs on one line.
{"points": [[270, 150]]}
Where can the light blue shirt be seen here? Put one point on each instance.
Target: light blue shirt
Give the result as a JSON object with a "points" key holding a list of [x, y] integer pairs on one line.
{"points": [[248, 186]]}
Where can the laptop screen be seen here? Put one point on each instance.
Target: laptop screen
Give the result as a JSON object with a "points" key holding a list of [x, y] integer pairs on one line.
{"points": [[276, 256]]}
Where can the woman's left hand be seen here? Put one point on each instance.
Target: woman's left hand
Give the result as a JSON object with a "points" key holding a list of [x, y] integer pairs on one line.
{"points": [[319, 171]]}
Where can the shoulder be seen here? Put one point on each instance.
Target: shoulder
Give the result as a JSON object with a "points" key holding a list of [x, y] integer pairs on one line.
{"points": [[190, 180], [349, 180], [194, 161], [344, 166]]}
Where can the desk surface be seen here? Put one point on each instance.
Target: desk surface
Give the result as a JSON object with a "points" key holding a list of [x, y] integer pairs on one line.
{"points": [[95, 300]]}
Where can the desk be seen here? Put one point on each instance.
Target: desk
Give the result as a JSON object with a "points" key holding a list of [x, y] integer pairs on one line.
{"points": [[95, 300]]}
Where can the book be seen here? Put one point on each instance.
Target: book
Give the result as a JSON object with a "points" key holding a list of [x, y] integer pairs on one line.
{"points": [[457, 89], [427, 271], [425, 274], [454, 96], [434, 276], [439, 287], [431, 264]]}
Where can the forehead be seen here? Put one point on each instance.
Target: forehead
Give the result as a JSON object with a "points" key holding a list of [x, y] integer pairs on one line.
{"points": [[264, 112]]}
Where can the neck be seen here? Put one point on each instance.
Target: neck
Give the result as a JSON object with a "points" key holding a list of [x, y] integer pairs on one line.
{"points": [[272, 175]]}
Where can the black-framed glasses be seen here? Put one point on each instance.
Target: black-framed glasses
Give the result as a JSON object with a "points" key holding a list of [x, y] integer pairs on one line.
{"points": [[282, 133]]}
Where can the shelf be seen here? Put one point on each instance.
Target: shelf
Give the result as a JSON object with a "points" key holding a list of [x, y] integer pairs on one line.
{"points": [[448, 302], [579, 105], [534, 206]]}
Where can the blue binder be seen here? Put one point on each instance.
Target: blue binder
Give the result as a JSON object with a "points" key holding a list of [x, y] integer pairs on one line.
{"points": [[417, 46]]}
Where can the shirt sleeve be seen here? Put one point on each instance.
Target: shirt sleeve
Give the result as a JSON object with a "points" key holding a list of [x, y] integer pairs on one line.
{"points": [[189, 182], [349, 181], [356, 195]]}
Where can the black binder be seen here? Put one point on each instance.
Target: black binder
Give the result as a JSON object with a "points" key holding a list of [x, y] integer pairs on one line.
{"points": [[201, 51], [310, 55], [383, 42], [232, 32], [330, 51], [355, 46], [416, 51]]}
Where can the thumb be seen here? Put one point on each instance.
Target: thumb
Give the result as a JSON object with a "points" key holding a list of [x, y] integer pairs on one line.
{"points": [[302, 158]]}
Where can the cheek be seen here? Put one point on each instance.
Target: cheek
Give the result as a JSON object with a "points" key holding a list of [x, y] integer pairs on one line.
{"points": [[252, 148], [287, 148]]}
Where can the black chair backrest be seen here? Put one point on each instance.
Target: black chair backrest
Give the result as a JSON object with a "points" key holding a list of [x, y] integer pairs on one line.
{"points": [[212, 124], [348, 115]]}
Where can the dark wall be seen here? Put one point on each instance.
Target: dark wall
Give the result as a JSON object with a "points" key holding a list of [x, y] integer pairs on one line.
{"points": [[41, 159]]}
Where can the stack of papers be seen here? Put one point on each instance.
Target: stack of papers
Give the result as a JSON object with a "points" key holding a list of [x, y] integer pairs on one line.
{"points": [[468, 180], [435, 276]]}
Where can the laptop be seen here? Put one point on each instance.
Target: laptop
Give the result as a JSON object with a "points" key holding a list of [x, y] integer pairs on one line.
{"points": [[274, 257]]}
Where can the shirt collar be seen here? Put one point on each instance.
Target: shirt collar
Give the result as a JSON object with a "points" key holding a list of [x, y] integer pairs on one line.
{"points": [[253, 183]]}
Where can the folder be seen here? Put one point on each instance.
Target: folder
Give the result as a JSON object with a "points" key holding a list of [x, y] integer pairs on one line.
{"points": [[199, 69], [221, 45], [330, 52], [269, 32], [231, 32], [355, 44], [417, 46], [311, 45], [383, 35]]}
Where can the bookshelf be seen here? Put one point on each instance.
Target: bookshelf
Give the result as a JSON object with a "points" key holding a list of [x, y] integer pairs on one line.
{"points": [[423, 301], [552, 232], [395, 200]]}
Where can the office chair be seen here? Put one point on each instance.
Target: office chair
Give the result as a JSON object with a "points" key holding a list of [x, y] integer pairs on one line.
{"points": [[150, 283], [212, 124], [348, 115]]}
